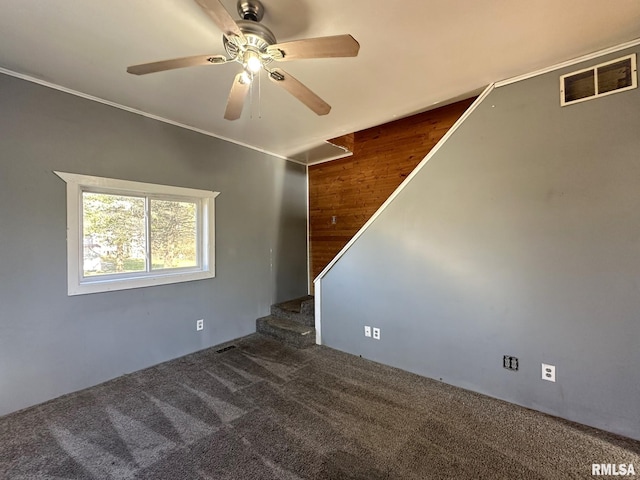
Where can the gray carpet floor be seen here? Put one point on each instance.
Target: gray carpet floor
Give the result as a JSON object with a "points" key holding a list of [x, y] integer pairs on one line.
{"points": [[262, 410]]}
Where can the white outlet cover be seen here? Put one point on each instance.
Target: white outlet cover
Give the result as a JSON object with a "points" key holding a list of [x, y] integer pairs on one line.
{"points": [[200, 325], [367, 331], [376, 333], [549, 372]]}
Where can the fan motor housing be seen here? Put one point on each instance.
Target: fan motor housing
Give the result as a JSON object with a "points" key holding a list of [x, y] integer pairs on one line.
{"points": [[258, 38], [250, 10]]}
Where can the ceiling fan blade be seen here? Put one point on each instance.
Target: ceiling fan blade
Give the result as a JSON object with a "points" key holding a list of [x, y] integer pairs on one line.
{"points": [[321, 47], [222, 19], [237, 95], [174, 63], [300, 91]]}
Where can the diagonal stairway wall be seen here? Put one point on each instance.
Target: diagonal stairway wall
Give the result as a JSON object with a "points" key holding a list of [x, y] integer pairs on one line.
{"points": [[345, 193], [519, 236]]}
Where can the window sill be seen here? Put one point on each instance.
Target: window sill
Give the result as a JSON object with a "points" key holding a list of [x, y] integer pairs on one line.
{"points": [[111, 284]]}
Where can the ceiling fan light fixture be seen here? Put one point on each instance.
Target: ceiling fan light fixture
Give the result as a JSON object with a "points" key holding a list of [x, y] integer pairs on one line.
{"points": [[252, 45], [252, 61]]}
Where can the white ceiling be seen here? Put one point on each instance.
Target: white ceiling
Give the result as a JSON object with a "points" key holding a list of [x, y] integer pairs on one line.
{"points": [[414, 55]]}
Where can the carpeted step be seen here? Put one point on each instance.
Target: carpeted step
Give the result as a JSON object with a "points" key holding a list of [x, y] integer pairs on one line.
{"points": [[288, 331], [301, 310]]}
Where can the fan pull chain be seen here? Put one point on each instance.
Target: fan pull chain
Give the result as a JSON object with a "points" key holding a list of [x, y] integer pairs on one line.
{"points": [[251, 98], [260, 94]]}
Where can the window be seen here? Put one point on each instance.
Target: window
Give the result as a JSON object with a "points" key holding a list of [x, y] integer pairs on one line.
{"points": [[123, 234], [610, 77]]}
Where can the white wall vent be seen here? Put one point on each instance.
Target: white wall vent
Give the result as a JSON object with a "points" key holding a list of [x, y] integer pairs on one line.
{"points": [[604, 79]]}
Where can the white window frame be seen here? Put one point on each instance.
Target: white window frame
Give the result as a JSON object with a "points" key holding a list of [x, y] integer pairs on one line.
{"points": [[78, 284]]}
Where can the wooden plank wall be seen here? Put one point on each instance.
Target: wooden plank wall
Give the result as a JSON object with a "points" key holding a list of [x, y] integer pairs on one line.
{"points": [[349, 191]]}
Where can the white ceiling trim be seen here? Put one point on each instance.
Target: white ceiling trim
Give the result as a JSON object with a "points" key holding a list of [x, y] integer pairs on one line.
{"points": [[569, 63], [346, 154], [70, 91]]}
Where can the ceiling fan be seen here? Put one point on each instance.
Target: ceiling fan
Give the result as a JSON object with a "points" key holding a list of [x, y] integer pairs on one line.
{"points": [[254, 46]]}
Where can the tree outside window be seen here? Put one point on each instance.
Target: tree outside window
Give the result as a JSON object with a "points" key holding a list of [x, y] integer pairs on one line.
{"points": [[116, 238]]}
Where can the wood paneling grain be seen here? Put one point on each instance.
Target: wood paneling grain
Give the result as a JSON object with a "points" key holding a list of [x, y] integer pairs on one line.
{"points": [[350, 190]]}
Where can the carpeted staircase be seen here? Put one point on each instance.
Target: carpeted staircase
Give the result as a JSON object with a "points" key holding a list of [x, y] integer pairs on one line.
{"points": [[291, 322]]}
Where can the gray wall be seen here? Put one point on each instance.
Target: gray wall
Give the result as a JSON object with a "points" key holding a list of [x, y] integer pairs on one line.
{"points": [[51, 344], [521, 236]]}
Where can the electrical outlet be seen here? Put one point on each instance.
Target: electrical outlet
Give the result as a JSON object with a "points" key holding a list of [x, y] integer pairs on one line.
{"points": [[549, 372], [510, 363], [200, 324], [376, 333], [367, 331]]}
